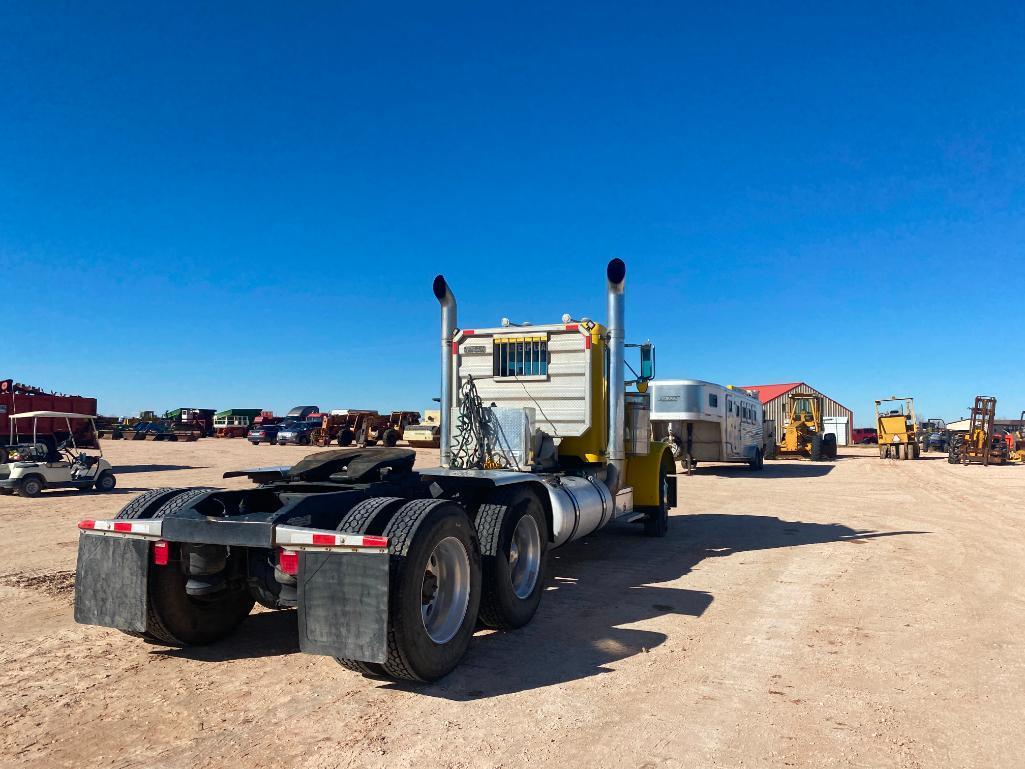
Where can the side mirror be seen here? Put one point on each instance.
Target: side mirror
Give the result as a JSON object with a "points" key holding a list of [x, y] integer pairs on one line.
{"points": [[647, 361]]}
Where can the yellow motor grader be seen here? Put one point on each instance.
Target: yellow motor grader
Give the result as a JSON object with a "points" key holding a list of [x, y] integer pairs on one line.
{"points": [[804, 434]]}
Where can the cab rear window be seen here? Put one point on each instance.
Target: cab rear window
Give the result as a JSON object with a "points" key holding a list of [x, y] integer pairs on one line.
{"points": [[520, 356]]}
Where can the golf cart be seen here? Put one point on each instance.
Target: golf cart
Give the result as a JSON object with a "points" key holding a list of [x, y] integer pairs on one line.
{"points": [[32, 467]]}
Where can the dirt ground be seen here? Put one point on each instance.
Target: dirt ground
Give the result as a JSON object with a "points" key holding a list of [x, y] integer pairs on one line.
{"points": [[865, 613]]}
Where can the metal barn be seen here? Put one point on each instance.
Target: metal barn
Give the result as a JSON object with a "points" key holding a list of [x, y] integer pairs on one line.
{"points": [[838, 418]]}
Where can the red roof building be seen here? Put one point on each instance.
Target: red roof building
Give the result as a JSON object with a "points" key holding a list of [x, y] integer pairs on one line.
{"points": [[838, 418]]}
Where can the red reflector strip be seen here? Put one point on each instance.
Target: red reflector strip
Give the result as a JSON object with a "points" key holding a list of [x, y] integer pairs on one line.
{"points": [[587, 342], [87, 524], [324, 539], [288, 561], [468, 332], [455, 348], [375, 541], [161, 552], [572, 326], [119, 526]]}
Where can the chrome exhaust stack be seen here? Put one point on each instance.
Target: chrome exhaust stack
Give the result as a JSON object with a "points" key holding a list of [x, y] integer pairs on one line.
{"points": [[447, 301], [616, 288]]}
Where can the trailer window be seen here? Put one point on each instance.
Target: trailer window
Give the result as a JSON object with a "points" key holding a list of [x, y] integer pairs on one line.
{"points": [[713, 401], [520, 356]]}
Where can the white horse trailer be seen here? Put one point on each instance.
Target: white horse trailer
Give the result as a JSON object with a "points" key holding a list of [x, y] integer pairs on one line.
{"points": [[705, 422]]}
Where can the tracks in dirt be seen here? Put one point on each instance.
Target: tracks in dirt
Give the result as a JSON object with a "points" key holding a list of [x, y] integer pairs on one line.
{"points": [[56, 584]]}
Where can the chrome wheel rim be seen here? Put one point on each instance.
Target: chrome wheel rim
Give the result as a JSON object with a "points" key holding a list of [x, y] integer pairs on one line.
{"points": [[525, 556], [445, 590]]}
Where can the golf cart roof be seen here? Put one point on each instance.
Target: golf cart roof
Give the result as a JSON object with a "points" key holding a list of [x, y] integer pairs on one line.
{"points": [[68, 414]]}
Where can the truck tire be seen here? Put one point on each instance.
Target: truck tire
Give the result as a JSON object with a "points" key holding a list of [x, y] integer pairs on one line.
{"points": [[106, 482], [368, 517], [882, 452], [758, 462], [345, 437], [816, 448], [656, 521], [144, 505], [390, 437], [177, 619], [434, 553], [31, 486], [829, 449], [513, 535]]}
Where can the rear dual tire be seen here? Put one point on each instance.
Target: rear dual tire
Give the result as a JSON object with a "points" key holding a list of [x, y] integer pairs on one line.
{"points": [[368, 517], [434, 584], [513, 533], [173, 617]]}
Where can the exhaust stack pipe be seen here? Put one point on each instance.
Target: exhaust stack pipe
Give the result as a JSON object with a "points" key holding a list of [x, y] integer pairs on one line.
{"points": [[447, 301], [616, 287]]}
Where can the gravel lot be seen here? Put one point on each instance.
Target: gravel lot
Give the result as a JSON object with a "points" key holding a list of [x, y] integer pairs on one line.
{"points": [[865, 613]]}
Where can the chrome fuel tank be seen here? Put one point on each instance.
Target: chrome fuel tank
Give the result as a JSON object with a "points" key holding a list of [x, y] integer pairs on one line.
{"points": [[579, 507]]}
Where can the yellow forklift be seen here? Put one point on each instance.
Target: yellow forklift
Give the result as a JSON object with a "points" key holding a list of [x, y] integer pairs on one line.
{"points": [[897, 428], [804, 434], [981, 444]]}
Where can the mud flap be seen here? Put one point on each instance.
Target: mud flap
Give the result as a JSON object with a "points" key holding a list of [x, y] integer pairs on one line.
{"points": [[343, 605], [111, 582]]}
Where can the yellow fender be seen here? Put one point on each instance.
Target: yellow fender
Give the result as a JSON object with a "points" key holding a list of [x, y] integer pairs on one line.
{"points": [[642, 473]]}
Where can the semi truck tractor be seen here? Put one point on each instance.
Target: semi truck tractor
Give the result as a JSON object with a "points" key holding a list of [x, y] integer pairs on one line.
{"points": [[391, 568]]}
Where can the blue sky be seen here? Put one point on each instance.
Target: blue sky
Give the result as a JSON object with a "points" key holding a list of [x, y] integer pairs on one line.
{"points": [[235, 205]]}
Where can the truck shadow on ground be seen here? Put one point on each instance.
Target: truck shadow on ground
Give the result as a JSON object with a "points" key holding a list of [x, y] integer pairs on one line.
{"points": [[617, 578], [594, 588], [263, 634], [771, 470], [123, 469]]}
